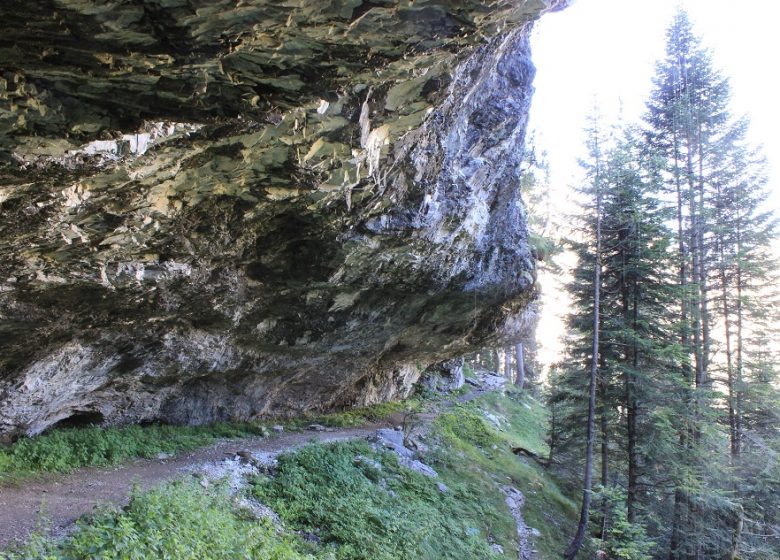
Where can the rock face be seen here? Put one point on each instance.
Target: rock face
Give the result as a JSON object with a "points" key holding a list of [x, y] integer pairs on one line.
{"points": [[223, 209], [445, 376]]}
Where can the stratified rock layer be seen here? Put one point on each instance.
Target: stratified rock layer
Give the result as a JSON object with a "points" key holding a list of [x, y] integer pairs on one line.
{"points": [[226, 209]]}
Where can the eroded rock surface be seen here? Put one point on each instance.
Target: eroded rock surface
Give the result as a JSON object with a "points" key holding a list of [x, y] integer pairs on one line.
{"points": [[445, 376], [226, 209]]}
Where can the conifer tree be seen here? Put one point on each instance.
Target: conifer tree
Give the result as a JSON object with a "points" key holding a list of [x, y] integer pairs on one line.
{"points": [[686, 388], [595, 170], [716, 184]]}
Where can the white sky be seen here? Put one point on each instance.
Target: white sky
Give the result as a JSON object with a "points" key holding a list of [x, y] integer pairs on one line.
{"points": [[605, 51]]}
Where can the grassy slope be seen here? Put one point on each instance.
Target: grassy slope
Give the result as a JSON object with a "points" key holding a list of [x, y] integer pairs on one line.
{"points": [[469, 441], [355, 502]]}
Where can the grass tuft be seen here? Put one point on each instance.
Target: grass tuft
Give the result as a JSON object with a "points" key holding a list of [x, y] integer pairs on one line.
{"points": [[72, 448], [360, 416], [179, 521], [363, 506]]}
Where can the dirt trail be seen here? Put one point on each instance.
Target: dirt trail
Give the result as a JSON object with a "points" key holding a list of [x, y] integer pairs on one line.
{"points": [[62, 499]]}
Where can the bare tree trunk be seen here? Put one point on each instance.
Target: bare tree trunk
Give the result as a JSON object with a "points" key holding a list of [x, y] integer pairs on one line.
{"points": [[604, 451], [553, 433], [631, 418], [496, 361], [676, 544], [736, 536], [703, 262], [679, 514], [603, 386], [730, 381], [582, 526], [520, 361], [740, 344], [508, 363]]}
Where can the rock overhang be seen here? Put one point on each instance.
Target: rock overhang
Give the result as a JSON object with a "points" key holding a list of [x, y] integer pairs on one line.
{"points": [[218, 210]]}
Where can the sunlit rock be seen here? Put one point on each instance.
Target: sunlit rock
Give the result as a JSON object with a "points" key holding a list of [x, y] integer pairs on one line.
{"points": [[219, 210]]}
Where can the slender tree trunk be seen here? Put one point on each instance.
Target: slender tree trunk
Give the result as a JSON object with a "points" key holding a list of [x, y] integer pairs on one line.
{"points": [[680, 509], [703, 262], [685, 340], [604, 443], [604, 420], [508, 363], [740, 344], [603, 397], [730, 381], [695, 302], [520, 361], [553, 433], [582, 526], [736, 536], [496, 361], [676, 543], [631, 413]]}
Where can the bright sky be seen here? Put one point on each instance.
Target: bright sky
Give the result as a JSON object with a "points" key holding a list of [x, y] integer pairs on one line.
{"points": [[605, 51]]}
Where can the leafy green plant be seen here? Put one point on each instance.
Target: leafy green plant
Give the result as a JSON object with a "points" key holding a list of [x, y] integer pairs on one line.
{"points": [[621, 540], [68, 449], [179, 521], [363, 506]]}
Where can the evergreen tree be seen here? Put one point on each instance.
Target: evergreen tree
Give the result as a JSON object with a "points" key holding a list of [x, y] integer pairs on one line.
{"points": [[723, 237], [686, 382], [688, 124], [595, 172]]}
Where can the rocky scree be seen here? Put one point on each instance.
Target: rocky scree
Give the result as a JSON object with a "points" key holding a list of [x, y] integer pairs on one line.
{"points": [[220, 210]]}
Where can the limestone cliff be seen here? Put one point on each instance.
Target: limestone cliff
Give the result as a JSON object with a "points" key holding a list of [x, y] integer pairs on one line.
{"points": [[221, 209]]}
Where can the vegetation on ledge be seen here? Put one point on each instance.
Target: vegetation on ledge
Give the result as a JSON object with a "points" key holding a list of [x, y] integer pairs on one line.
{"points": [[68, 449], [350, 501]]}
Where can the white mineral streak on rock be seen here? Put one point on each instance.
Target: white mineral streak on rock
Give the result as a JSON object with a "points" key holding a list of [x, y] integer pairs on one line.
{"points": [[185, 253], [65, 382]]}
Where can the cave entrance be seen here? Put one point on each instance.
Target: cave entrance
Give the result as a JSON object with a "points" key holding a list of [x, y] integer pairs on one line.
{"points": [[80, 419]]}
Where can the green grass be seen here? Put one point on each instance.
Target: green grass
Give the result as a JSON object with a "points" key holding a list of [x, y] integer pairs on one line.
{"points": [[65, 450], [68, 449], [474, 450], [180, 521], [359, 503], [373, 509], [365, 512], [359, 416]]}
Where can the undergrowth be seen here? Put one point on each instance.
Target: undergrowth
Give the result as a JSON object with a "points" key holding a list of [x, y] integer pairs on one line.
{"points": [[362, 505], [180, 521], [71, 448], [346, 500]]}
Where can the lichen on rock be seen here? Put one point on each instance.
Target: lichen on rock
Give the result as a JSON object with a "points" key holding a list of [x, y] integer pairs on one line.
{"points": [[223, 210]]}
